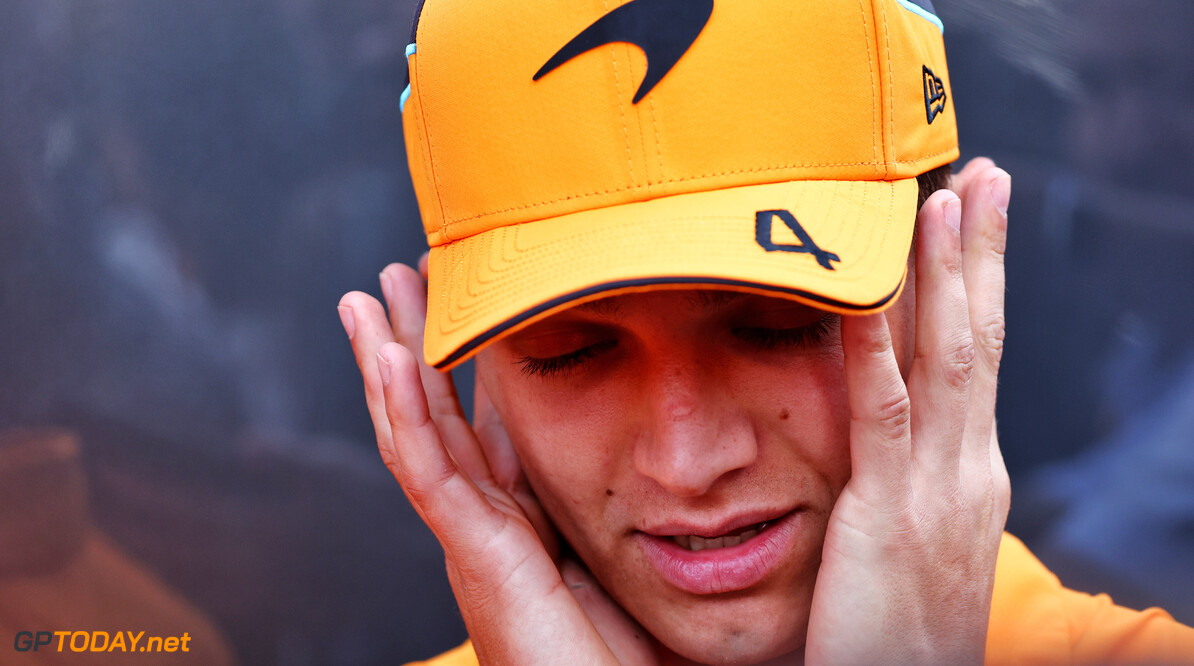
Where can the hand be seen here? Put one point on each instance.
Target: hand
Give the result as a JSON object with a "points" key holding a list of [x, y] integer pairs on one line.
{"points": [[466, 483], [909, 559]]}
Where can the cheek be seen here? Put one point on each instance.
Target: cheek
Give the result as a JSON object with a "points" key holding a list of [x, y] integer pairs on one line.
{"points": [[807, 429], [563, 439], [575, 446]]}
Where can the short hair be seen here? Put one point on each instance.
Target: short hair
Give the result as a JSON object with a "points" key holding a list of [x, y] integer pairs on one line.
{"points": [[931, 181]]}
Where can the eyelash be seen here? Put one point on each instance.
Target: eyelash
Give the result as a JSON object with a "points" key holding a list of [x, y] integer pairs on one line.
{"points": [[765, 338], [563, 364], [770, 339]]}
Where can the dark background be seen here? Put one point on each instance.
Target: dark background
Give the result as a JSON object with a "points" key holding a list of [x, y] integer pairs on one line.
{"points": [[187, 188]]}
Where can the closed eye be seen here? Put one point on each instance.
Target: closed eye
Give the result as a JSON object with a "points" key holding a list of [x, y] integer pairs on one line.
{"points": [[769, 339], [564, 364]]}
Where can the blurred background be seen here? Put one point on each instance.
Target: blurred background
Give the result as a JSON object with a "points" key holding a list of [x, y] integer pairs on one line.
{"points": [[187, 188]]}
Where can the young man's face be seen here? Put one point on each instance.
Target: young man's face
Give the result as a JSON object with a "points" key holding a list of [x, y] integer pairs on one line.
{"points": [[645, 419]]}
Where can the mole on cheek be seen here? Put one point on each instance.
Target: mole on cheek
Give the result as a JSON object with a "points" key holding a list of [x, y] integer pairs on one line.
{"points": [[609, 493], [783, 415]]}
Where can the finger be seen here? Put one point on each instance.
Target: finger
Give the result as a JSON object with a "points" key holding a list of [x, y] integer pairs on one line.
{"points": [[503, 461], [625, 638], [984, 240], [1001, 482], [446, 499], [507, 468], [944, 353], [492, 561], [406, 296], [408, 313], [365, 322], [423, 264], [880, 436], [961, 180]]}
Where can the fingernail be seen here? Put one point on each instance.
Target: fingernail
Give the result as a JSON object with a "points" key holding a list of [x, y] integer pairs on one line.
{"points": [[953, 213], [387, 287], [384, 367], [346, 318], [1001, 192]]}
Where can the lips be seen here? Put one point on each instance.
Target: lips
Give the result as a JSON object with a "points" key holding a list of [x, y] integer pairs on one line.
{"points": [[733, 555]]}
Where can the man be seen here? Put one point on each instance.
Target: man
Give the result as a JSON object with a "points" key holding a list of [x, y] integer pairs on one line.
{"points": [[728, 409]]}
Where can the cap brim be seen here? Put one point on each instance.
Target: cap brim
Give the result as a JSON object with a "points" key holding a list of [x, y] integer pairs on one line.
{"points": [[491, 284]]}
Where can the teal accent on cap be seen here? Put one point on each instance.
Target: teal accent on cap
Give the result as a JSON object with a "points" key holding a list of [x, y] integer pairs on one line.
{"points": [[915, 9], [410, 50]]}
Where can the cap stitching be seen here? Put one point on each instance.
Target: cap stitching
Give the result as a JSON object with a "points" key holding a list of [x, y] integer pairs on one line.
{"points": [[870, 63], [836, 201], [882, 241], [489, 256], [622, 110], [618, 100], [658, 150], [449, 253], [445, 225], [477, 304], [889, 93], [680, 180], [424, 157], [642, 141], [470, 272], [511, 276], [891, 216], [425, 152]]}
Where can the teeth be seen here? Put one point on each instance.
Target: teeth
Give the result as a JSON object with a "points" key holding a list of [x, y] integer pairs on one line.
{"points": [[696, 543]]}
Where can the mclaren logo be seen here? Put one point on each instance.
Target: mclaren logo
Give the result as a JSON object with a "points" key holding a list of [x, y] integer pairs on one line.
{"points": [[663, 29]]}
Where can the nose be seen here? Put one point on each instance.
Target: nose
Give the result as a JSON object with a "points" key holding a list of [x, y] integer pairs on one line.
{"points": [[693, 431]]}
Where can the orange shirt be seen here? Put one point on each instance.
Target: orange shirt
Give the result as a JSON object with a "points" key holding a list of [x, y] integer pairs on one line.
{"points": [[1034, 620]]}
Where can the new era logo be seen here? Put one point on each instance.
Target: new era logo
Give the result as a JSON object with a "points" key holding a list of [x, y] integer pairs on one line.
{"points": [[934, 94]]}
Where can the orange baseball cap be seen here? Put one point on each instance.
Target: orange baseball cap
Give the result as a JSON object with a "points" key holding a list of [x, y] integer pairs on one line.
{"points": [[568, 150]]}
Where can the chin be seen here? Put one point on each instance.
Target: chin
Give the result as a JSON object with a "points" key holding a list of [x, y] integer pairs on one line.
{"points": [[733, 630], [765, 622], [756, 645]]}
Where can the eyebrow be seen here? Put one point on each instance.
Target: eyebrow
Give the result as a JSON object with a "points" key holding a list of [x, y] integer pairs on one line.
{"points": [[602, 307], [705, 299], [712, 299]]}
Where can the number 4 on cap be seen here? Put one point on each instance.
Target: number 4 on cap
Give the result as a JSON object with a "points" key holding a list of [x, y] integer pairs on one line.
{"points": [[763, 221]]}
